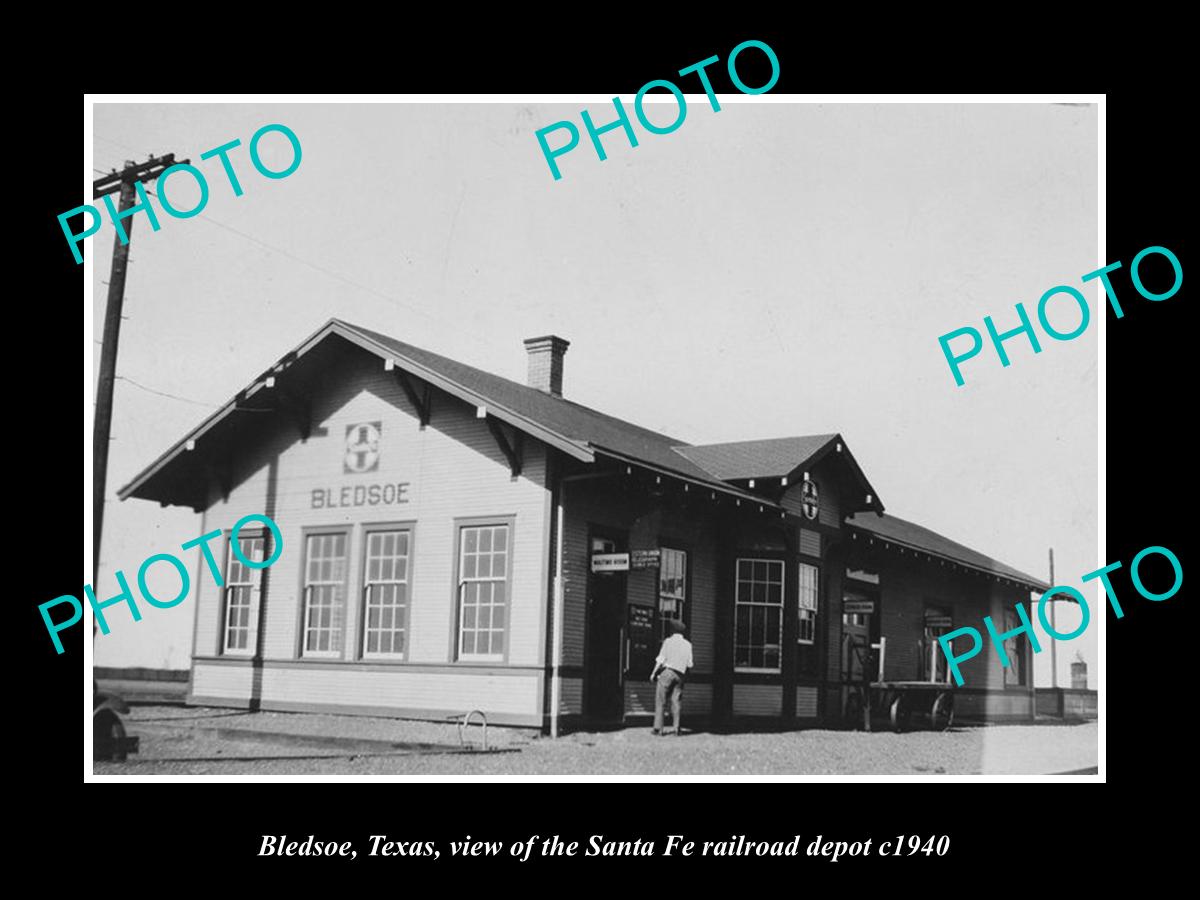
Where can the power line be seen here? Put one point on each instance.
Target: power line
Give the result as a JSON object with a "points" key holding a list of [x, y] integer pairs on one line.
{"points": [[151, 390], [324, 271], [185, 399], [114, 143], [343, 279], [125, 183]]}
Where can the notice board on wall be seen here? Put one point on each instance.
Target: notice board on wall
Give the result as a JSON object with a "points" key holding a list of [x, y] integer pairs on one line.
{"points": [[640, 643]]}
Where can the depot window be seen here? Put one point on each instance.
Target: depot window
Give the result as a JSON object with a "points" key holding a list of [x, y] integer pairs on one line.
{"points": [[807, 601], [386, 592], [672, 587], [325, 555], [483, 589], [758, 630], [1015, 674], [241, 584]]}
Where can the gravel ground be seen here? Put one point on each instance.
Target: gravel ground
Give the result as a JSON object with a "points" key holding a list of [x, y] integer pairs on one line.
{"points": [[178, 741]]}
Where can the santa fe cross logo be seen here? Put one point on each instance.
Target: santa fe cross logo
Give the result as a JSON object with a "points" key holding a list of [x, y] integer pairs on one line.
{"points": [[362, 447]]}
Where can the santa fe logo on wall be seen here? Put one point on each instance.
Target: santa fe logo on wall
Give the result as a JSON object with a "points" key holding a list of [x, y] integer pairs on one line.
{"points": [[808, 499], [362, 447]]}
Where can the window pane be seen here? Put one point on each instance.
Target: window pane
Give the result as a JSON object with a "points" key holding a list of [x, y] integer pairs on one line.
{"points": [[324, 591], [483, 570], [386, 591], [758, 613]]}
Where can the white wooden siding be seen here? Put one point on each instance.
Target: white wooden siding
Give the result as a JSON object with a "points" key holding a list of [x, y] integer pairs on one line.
{"points": [[411, 690], [228, 682], [453, 469], [517, 693]]}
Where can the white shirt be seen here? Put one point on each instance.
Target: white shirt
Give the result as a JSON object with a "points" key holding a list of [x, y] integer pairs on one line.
{"points": [[676, 653]]}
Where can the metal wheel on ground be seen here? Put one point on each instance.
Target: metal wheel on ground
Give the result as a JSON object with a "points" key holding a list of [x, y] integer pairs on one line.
{"points": [[941, 716], [900, 713]]}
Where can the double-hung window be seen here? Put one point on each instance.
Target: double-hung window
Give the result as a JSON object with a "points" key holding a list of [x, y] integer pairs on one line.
{"points": [[758, 627], [483, 572], [672, 587], [385, 592], [324, 593], [241, 584], [1014, 672], [807, 601]]}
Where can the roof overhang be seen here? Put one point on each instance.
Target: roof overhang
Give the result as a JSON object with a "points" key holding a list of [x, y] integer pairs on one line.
{"points": [[1031, 583], [720, 487], [837, 446], [142, 485]]}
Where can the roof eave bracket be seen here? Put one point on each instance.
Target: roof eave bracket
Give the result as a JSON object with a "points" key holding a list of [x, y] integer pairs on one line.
{"points": [[422, 403], [513, 449]]}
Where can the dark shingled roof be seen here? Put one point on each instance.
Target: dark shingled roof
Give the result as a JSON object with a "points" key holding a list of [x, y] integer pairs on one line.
{"points": [[771, 458], [909, 534], [575, 428], [571, 420]]}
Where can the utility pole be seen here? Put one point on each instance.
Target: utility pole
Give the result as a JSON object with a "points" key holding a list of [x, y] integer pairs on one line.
{"points": [[122, 181], [1053, 643]]}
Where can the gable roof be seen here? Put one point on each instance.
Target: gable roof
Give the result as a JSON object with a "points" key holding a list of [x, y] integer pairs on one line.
{"points": [[577, 430], [917, 537], [564, 417], [771, 458]]}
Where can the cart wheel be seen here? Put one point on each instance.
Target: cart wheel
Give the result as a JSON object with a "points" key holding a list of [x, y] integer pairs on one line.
{"points": [[942, 715], [899, 714], [854, 712]]}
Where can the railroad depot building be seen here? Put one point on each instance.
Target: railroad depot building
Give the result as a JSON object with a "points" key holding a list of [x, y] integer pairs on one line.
{"points": [[454, 540]]}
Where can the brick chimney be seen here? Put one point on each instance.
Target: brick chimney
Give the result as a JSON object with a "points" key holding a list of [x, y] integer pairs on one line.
{"points": [[546, 363]]}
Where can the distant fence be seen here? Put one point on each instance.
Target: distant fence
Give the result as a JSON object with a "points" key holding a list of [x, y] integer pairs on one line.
{"points": [[1066, 703], [139, 674]]}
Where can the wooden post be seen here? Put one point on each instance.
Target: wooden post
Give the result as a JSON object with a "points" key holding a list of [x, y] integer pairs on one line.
{"points": [[102, 425], [866, 676], [1053, 643]]}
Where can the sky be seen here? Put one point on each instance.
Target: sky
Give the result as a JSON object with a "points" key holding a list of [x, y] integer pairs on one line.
{"points": [[772, 269]]}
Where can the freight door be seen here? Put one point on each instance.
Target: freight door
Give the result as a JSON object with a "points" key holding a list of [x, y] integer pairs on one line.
{"points": [[860, 616], [604, 687]]}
